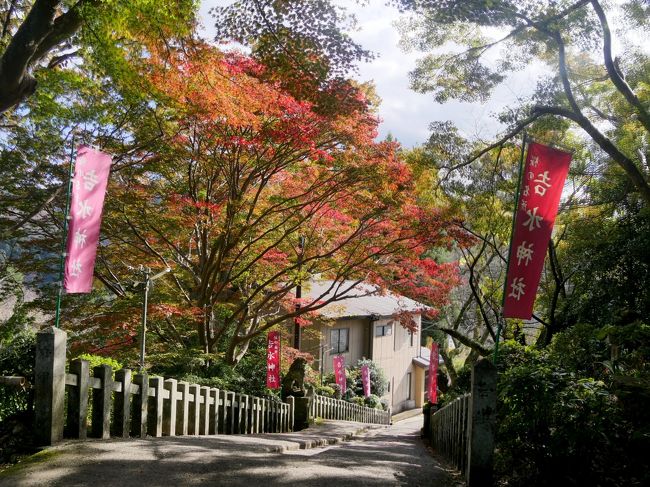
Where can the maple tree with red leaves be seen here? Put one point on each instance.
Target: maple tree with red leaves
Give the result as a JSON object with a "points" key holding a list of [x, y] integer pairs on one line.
{"points": [[245, 169]]}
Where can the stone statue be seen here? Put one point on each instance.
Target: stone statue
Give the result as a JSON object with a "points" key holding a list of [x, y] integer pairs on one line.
{"points": [[293, 383]]}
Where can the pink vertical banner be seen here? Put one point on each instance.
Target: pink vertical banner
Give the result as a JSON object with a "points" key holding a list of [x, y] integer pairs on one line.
{"points": [[339, 372], [365, 379], [273, 360], [92, 168], [433, 374]]}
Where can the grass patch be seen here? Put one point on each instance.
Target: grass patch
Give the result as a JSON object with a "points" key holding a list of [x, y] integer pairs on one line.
{"points": [[27, 461]]}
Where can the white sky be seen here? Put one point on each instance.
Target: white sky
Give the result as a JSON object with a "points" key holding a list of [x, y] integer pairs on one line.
{"points": [[404, 113], [407, 114]]}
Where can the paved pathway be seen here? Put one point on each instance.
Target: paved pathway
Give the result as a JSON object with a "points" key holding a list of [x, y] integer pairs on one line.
{"points": [[389, 456]]}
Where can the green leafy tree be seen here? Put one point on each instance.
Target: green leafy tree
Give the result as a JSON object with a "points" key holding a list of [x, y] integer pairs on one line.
{"points": [[304, 44], [589, 87], [45, 35]]}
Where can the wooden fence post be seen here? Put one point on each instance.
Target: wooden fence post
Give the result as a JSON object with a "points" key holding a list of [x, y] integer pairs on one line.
{"points": [[102, 402], [49, 383], [140, 401], [231, 413], [214, 423], [195, 409], [272, 418], [182, 415], [204, 428], [243, 413], [169, 408], [482, 425], [263, 420], [155, 409], [122, 409], [292, 404], [236, 417], [223, 412], [78, 400]]}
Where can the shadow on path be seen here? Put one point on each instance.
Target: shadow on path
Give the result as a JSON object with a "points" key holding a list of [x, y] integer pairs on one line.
{"points": [[391, 456]]}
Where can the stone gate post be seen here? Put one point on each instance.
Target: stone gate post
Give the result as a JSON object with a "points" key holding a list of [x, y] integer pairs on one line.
{"points": [[49, 384], [482, 424]]}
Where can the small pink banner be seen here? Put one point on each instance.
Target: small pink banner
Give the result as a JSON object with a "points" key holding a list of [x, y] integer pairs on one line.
{"points": [[273, 360], [88, 190], [339, 372], [433, 374], [365, 378]]}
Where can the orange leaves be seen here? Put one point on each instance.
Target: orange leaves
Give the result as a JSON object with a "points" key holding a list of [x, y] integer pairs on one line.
{"points": [[275, 256], [168, 310], [244, 172], [230, 96]]}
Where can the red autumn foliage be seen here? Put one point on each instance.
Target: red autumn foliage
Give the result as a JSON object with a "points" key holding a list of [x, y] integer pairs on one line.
{"points": [[244, 169]]}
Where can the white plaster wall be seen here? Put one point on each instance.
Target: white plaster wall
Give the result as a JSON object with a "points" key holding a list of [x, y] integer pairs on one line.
{"points": [[394, 354]]}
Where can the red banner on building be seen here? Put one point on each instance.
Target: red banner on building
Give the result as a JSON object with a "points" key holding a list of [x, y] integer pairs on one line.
{"points": [[339, 372], [273, 360], [433, 374], [365, 379], [542, 182], [88, 190]]}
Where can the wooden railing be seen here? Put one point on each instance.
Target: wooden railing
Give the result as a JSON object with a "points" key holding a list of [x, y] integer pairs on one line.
{"points": [[330, 408], [126, 404], [155, 406], [449, 431]]}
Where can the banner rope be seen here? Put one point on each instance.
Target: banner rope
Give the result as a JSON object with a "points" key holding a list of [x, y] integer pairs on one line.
{"points": [[512, 232], [64, 237]]}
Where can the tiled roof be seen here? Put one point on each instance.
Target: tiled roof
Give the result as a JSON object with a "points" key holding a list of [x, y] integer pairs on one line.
{"points": [[361, 300]]}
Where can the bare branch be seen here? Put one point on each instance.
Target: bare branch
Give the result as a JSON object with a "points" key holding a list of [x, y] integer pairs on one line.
{"points": [[614, 72]]}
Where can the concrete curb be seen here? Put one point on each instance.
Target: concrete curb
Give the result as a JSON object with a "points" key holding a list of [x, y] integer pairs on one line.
{"points": [[318, 442], [411, 413]]}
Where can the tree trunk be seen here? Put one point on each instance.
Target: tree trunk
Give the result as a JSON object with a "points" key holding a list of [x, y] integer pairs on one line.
{"points": [[40, 32]]}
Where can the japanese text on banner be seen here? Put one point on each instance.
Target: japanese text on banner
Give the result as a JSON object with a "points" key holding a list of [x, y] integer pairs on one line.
{"points": [[91, 173], [542, 182], [339, 372], [273, 360]]}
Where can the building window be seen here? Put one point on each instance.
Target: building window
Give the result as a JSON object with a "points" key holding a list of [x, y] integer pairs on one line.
{"points": [[383, 330], [339, 340], [408, 379]]}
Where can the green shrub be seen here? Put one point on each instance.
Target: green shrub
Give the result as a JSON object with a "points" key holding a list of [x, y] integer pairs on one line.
{"points": [[357, 400], [556, 426], [247, 377], [17, 357], [373, 401], [461, 386], [580, 350], [378, 381], [325, 390], [96, 360], [384, 404]]}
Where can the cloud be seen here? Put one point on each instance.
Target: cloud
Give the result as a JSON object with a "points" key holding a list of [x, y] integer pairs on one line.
{"points": [[407, 114]]}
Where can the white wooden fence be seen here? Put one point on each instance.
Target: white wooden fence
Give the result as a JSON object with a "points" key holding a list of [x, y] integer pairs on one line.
{"points": [[330, 408]]}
